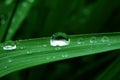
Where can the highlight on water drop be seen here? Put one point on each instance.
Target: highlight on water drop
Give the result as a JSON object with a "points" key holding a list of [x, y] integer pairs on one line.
{"points": [[59, 39], [9, 45]]}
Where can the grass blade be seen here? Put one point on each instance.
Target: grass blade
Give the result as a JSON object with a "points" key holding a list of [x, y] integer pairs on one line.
{"points": [[38, 51], [23, 8], [6, 12]]}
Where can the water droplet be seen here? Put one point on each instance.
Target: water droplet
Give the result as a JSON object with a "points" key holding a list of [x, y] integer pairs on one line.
{"points": [[9, 45], [65, 55], [59, 39], [28, 52], [5, 67], [80, 41], [44, 45], [2, 19], [105, 39], [47, 58], [53, 57], [9, 60], [93, 40]]}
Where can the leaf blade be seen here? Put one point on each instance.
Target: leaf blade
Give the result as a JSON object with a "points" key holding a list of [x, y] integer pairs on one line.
{"points": [[38, 51]]}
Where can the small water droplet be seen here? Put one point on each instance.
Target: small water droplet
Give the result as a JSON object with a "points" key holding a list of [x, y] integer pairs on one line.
{"points": [[47, 58], [28, 52], [93, 40], [5, 67], [2, 19], [80, 41], [44, 45], [9, 45], [65, 55], [105, 39], [53, 57], [9, 60], [59, 39]]}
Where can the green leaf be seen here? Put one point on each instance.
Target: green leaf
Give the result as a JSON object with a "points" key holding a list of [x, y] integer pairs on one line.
{"points": [[20, 14], [6, 12], [111, 71], [39, 51]]}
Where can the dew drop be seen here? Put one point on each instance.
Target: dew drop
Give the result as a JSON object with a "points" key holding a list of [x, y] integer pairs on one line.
{"points": [[9, 45], [80, 41], [59, 39], [47, 58], [28, 52], [44, 45], [9, 60], [93, 40], [5, 67], [65, 55], [53, 57], [105, 39]]}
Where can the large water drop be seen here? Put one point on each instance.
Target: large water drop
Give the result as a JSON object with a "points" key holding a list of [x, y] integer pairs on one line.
{"points": [[59, 39], [9, 45]]}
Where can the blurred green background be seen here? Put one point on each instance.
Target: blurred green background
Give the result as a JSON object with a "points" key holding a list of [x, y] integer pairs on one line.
{"points": [[42, 18]]}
